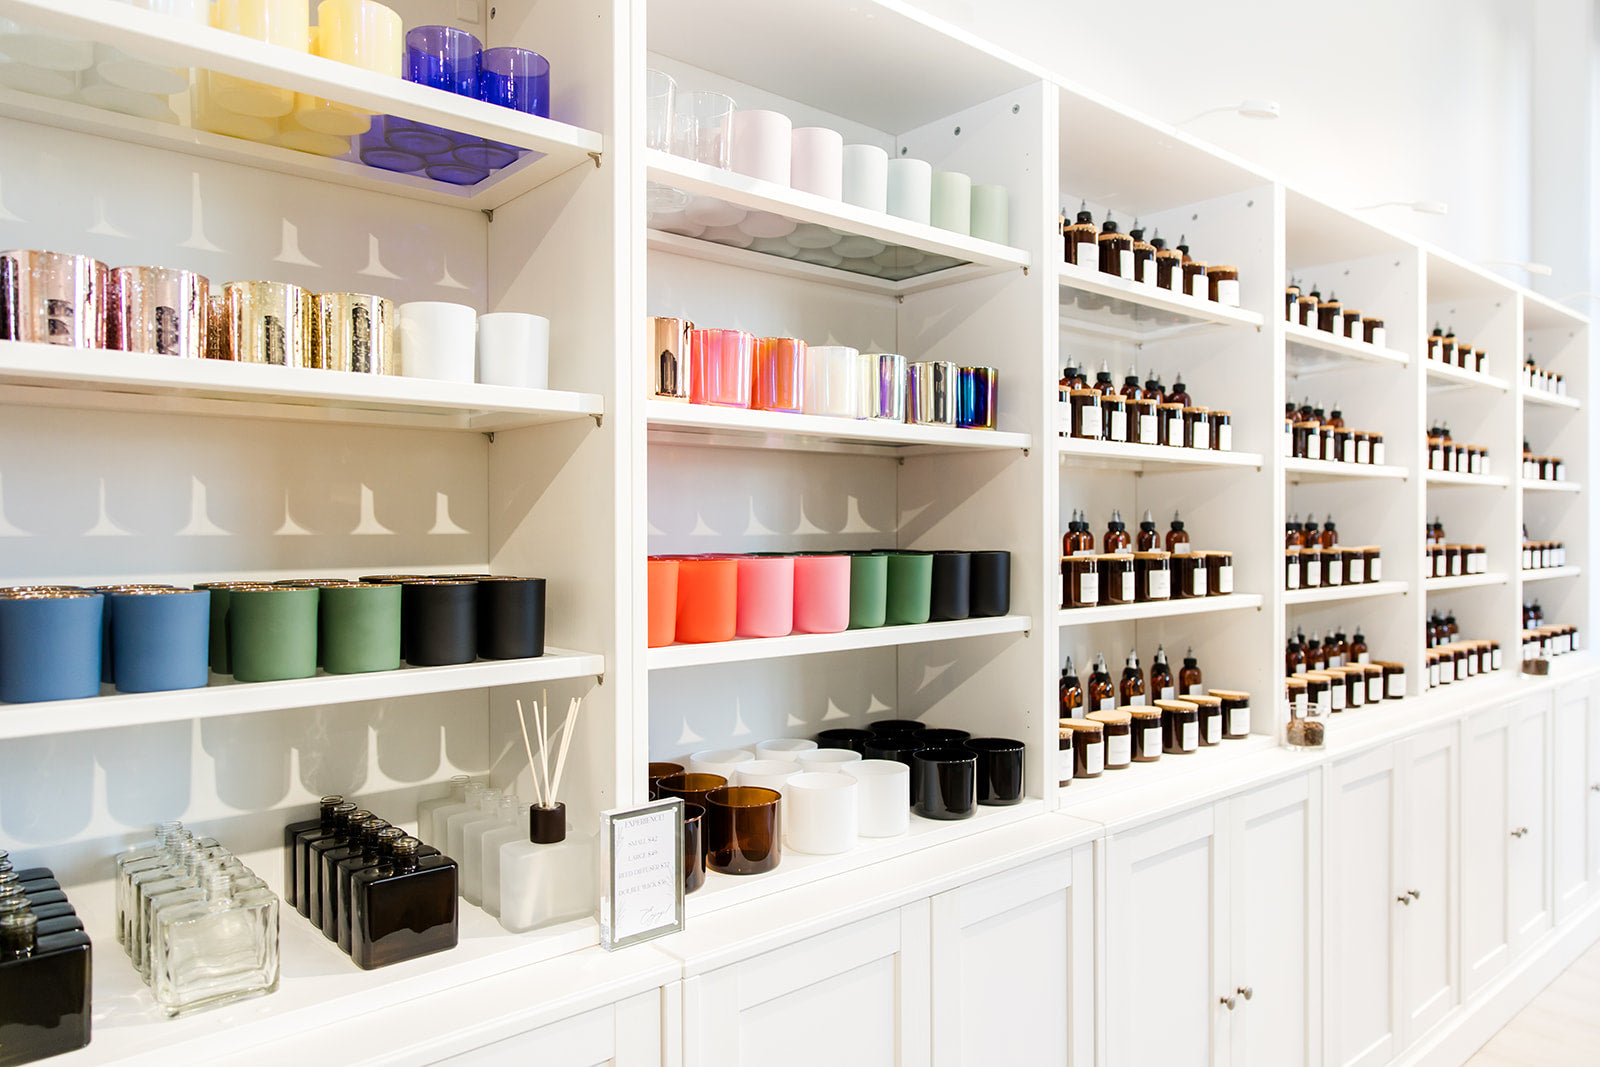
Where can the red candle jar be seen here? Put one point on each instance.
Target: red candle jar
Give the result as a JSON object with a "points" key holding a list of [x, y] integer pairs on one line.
{"points": [[721, 366]]}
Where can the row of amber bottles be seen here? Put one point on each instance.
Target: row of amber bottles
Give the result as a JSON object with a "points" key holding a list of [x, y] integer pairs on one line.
{"points": [[1308, 309], [1129, 255], [1079, 539], [1314, 654], [1102, 693]]}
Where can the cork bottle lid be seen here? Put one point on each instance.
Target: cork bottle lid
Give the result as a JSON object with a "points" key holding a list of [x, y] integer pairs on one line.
{"points": [[1177, 705], [1113, 718], [1088, 726], [1230, 694]]}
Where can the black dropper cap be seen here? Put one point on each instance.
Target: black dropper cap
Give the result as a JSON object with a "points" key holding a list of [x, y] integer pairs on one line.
{"points": [[1148, 524], [1160, 656], [1131, 378], [547, 826], [1328, 525], [1336, 413], [1083, 212], [1137, 233], [1177, 523], [1158, 241], [1188, 658], [1182, 245], [1152, 382], [1103, 374], [1437, 330], [1109, 225]]}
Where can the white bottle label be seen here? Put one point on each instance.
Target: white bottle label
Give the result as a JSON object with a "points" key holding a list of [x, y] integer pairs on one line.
{"points": [[1435, 675], [1336, 696], [1147, 429], [1335, 661], [1119, 750], [1474, 462], [1354, 695], [1088, 252], [1377, 569], [1225, 578], [1377, 452], [1167, 692], [1395, 686], [1225, 437], [1447, 670], [1313, 446], [1238, 720], [1152, 740], [1292, 575], [1374, 688], [1089, 588], [1363, 451], [1433, 458], [1191, 736], [1125, 261], [1378, 336], [1287, 440], [1159, 585], [1325, 703], [1313, 574], [1127, 588], [1214, 730], [1301, 707], [1332, 573], [1107, 704], [1119, 426], [1195, 691], [1094, 757], [1228, 292], [1364, 659], [1091, 420], [1136, 701], [1358, 571], [1199, 581]]}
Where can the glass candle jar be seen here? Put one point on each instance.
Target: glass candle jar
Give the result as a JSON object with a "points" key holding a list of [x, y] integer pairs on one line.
{"points": [[1117, 583], [1235, 712], [1194, 279], [1180, 726], [1146, 726], [1189, 575], [1372, 331], [1210, 717], [1088, 747], [1152, 575], [1081, 577], [1196, 428], [1219, 573], [1118, 729], [1086, 419]]}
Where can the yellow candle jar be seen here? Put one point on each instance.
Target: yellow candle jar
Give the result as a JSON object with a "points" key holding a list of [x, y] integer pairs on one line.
{"points": [[286, 23], [363, 34]]}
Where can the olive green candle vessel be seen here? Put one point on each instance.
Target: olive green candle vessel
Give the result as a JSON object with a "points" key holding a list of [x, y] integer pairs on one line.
{"points": [[358, 628], [869, 590], [272, 632], [910, 593]]}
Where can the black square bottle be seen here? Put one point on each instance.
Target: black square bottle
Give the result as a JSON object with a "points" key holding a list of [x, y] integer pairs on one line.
{"points": [[403, 908], [45, 989]]}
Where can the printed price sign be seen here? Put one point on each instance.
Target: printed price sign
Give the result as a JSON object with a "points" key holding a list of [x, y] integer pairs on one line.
{"points": [[642, 873]]}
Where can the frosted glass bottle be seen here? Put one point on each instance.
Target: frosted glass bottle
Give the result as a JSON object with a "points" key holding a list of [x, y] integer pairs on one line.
{"points": [[456, 794], [444, 816], [472, 838], [514, 829], [549, 878], [216, 950]]}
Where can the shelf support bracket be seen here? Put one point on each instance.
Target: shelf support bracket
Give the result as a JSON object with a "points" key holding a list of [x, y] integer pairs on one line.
{"points": [[599, 679], [1024, 270], [596, 157], [599, 420], [488, 213], [490, 435]]}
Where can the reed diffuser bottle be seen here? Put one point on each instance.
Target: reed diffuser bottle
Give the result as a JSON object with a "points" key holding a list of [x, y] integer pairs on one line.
{"points": [[550, 877]]}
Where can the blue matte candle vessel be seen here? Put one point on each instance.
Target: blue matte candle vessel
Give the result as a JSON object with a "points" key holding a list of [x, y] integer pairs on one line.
{"points": [[161, 639], [50, 646]]}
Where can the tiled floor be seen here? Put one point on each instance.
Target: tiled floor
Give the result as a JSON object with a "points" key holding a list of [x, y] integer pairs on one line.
{"points": [[1561, 1028]]}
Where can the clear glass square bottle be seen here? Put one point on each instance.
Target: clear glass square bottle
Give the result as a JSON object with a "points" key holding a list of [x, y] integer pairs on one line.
{"points": [[216, 950]]}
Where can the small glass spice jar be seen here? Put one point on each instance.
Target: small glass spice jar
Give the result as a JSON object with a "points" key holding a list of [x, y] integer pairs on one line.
{"points": [[1291, 568], [1374, 674], [1361, 442], [1189, 576], [1146, 725], [1180, 726], [1333, 698], [1081, 577], [1310, 568], [1328, 316], [1375, 448], [1372, 556], [1088, 747], [1344, 445], [1307, 440], [1372, 332], [1119, 737], [1219, 572], [1117, 584], [1222, 431], [1306, 311], [1152, 575], [1194, 279], [1169, 425], [1355, 685], [1222, 282], [1296, 697], [1301, 732], [1210, 715], [1196, 428], [1113, 418], [1332, 566], [1141, 420], [1235, 712], [1354, 562], [1394, 679], [1086, 420], [1352, 324], [1318, 696]]}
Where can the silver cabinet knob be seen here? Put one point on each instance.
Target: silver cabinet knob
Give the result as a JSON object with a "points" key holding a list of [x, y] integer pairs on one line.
{"points": [[1413, 894], [1402, 898], [1230, 1002], [1246, 992]]}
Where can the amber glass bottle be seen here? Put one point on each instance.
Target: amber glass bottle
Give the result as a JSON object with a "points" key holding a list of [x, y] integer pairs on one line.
{"points": [[1116, 540], [1161, 684], [1179, 393], [1189, 679], [1330, 536], [1131, 689], [1358, 648], [1116, 251], [1177, 536], [1102, 694], [1149, 540], [1071, 691]]}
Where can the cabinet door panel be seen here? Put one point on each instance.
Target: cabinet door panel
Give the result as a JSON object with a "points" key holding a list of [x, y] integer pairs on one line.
{"points": [[1485, 841], [1275, 897], [1528, 886], [1361, 908], [586, 1040], [1569, 797], [857, 996], [1427, 949], [1162, 940], [1592, 787], [1008, 954]]}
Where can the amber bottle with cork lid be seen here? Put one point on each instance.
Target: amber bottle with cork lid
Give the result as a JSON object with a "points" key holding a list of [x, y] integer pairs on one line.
{"points": [[1113, 417], [1221, 430], [1088, 746], [1152, 576], [1117, 581], [1116, 251], [1219, 572], [1372, 332], [1189, 576], [1117, 725], [1194, 275], [1086, 421], [1210, 709], [1328, 314], [1180, 727], [1145, 726], [1447, 346], [1196, 427], [1169, 424], [1169, 265], [1223, 284], [1079, 239], [1464, 357], [1235, 712], [1144, 256], [1308, 308], [1080, 579], [1065, 758], [1436, 342], [1189, 679], [1351, 325]]}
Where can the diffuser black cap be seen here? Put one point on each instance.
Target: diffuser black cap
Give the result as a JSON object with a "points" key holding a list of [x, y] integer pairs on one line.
{"points": [[547, 826]]}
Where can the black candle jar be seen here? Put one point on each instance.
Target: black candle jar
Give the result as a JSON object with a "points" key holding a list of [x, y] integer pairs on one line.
{"points": [[952, 586], [999, 769], [944, 783], [843, 737], [991, 584], [439, 622], [511, 618]]}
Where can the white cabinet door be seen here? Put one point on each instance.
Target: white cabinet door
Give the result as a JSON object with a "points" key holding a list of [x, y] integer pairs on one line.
{"points": [[1275, 896], [1527, 810], [1427, 953], [1485, 845], [1164, 936], [627, 1034], [856, 996], [1569, 799], [1359, 934], [1594, 785], [1013, 967]]}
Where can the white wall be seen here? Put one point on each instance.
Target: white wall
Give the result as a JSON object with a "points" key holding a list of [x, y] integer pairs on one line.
{"points": [[1416, 100]]}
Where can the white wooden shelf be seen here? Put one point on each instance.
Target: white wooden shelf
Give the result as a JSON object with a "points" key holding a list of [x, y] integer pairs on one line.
{"points": [[915, 256], [1555, 400], [51, 375], [1540, 486], [1487, 481], [741, 650], [1158, 609], [1544, 574], [1329, 593], [1311, 351], [1323, 470], [553, 147], [1121, 308], [705, 424], [1078, 452], [226, 697], [1441, 377], [1462, 581]]}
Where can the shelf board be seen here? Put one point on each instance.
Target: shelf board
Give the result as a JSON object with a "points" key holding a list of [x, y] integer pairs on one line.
{"points": [[52, 375], [1544, 574], [920, 256], [1312, 351], [224, 696], [1127, 310], [553, 147], [1462, 581], [1325, 470], [1485, 481], [1077, 452], [1539, 486], [1542, 396], [705, 424], [742, 650], [1442, 377], [1157, 609], [1329, 593]]}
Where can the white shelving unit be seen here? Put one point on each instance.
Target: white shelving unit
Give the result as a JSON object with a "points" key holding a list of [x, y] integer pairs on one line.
{"points": [[124, 467]]}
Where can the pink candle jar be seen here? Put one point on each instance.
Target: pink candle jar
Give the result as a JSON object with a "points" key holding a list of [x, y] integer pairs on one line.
{"points": [[721, 365], [780, 374], [766, 596], [821, 594]]}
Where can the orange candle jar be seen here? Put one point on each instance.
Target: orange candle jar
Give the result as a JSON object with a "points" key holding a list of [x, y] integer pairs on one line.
{"points": [[780, 374], [708, 599], [663, 584]]}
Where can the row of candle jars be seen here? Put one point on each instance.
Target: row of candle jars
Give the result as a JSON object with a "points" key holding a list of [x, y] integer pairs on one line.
{"points": [[1308, 309]]}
